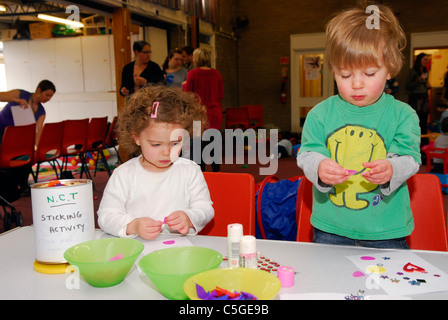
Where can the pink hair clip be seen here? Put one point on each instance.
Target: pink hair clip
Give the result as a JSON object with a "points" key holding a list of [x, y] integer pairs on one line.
{"points": [[155, 107]]}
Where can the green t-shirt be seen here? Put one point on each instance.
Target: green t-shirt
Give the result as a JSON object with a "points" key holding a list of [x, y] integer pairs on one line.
{"points": [[351, 135]]}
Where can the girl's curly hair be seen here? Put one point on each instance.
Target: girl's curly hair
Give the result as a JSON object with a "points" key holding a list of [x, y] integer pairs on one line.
{"points": [[175, 106]]}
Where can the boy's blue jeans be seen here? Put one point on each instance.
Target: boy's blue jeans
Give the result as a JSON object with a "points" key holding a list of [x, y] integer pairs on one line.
{"points": [[329, 238]]}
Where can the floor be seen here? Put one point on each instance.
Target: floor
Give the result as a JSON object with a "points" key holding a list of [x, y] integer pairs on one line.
{"points": [[286, 168]]}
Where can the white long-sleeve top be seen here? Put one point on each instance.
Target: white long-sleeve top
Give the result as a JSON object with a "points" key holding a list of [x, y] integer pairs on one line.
{"points": [[133, 192]]}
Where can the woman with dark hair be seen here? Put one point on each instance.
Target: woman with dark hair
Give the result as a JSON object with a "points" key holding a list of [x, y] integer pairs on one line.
{"points": [[172, 67], [417, 85], [15, 180], [17, 97], [140, 71]]}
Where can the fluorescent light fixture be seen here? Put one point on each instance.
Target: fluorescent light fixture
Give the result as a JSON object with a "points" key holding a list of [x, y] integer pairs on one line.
{"points": [[60, 20]]}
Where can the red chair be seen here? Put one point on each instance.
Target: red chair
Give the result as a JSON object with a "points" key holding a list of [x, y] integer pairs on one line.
{"points": [[233, 197], [255, 115], [111, 140], [237, 118], [304, 210], [73, 140], [427, 206], [16, 151], [96, 135], [17, 148], [49, 147], [440, 153]]}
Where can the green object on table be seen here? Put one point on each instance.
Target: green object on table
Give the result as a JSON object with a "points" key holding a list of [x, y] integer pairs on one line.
{"points": [[98, 262], [169, 268]]}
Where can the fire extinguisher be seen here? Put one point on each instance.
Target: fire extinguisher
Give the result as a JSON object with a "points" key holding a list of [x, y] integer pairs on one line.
{"points": [[283, 92]]}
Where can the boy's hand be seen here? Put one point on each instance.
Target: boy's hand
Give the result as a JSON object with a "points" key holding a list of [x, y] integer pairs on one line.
{"points": [[380, 171], [179, 221], [330, 172], [146, 228]]}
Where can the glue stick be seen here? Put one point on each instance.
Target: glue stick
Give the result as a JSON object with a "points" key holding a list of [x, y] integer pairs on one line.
{"points": [[234, 234], [248, 252]]}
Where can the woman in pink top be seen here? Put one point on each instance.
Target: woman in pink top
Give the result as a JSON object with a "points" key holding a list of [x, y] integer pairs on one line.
{"points": [[208, 85]]}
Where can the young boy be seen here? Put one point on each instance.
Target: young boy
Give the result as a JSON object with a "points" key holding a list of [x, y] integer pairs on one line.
{"points": [[360, 147]]}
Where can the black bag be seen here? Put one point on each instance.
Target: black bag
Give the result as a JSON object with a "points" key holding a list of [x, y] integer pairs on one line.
{"points": [[9, 186]]}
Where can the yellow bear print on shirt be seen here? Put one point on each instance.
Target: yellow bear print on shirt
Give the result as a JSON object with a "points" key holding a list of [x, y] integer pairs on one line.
{"points": [[350, 146]]}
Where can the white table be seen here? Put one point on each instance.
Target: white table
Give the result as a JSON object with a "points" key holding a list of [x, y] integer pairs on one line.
{"points": [[320, 268]]}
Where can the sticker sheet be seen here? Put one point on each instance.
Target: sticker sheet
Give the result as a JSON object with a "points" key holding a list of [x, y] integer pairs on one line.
{"points": [[399, 273], [22, 116]]}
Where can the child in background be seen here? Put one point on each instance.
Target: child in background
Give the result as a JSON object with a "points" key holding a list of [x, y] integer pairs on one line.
{"points": [[360, 147], [284, 145], [442, 106], [157, 187], [441, 142]]}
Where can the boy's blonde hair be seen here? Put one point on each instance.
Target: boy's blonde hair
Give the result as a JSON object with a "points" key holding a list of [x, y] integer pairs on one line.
{"points": [[174, 106], [351, 44], [202, 58]]}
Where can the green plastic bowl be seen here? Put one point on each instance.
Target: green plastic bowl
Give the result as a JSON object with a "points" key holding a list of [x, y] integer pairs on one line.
{"points": [[104, 262], [169, 268]]}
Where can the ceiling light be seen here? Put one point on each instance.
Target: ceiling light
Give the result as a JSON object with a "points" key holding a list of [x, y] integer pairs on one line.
{"points": [[2, 8], [60, 20]]}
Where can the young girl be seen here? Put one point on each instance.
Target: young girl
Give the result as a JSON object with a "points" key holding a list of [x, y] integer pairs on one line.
{"points": [[156, 190], [360, 147]]}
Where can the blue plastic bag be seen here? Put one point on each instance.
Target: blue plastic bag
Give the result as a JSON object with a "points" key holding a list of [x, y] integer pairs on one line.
{"points": [[275, 209]]}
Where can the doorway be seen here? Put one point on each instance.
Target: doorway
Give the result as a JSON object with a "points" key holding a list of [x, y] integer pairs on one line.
{"points": [[311, 81], [435, 44], [437, 69]]}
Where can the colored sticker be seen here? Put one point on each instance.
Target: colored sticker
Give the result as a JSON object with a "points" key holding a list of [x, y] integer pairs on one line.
{"points": [[117, 257], [358, 274], [169, 242], [375, 269], [409, 267], [367, 258]]}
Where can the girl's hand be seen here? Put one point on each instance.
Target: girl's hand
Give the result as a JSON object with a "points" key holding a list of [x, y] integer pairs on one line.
{"points": [[146, 228], [179, 221], [380, 171], [330, 172]]}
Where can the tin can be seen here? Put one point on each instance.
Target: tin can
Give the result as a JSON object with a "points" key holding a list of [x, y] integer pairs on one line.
{"points": [[63, 216]]}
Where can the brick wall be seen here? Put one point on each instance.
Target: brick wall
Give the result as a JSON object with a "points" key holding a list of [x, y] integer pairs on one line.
{"points": [[227, 51], [257, 77]]}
